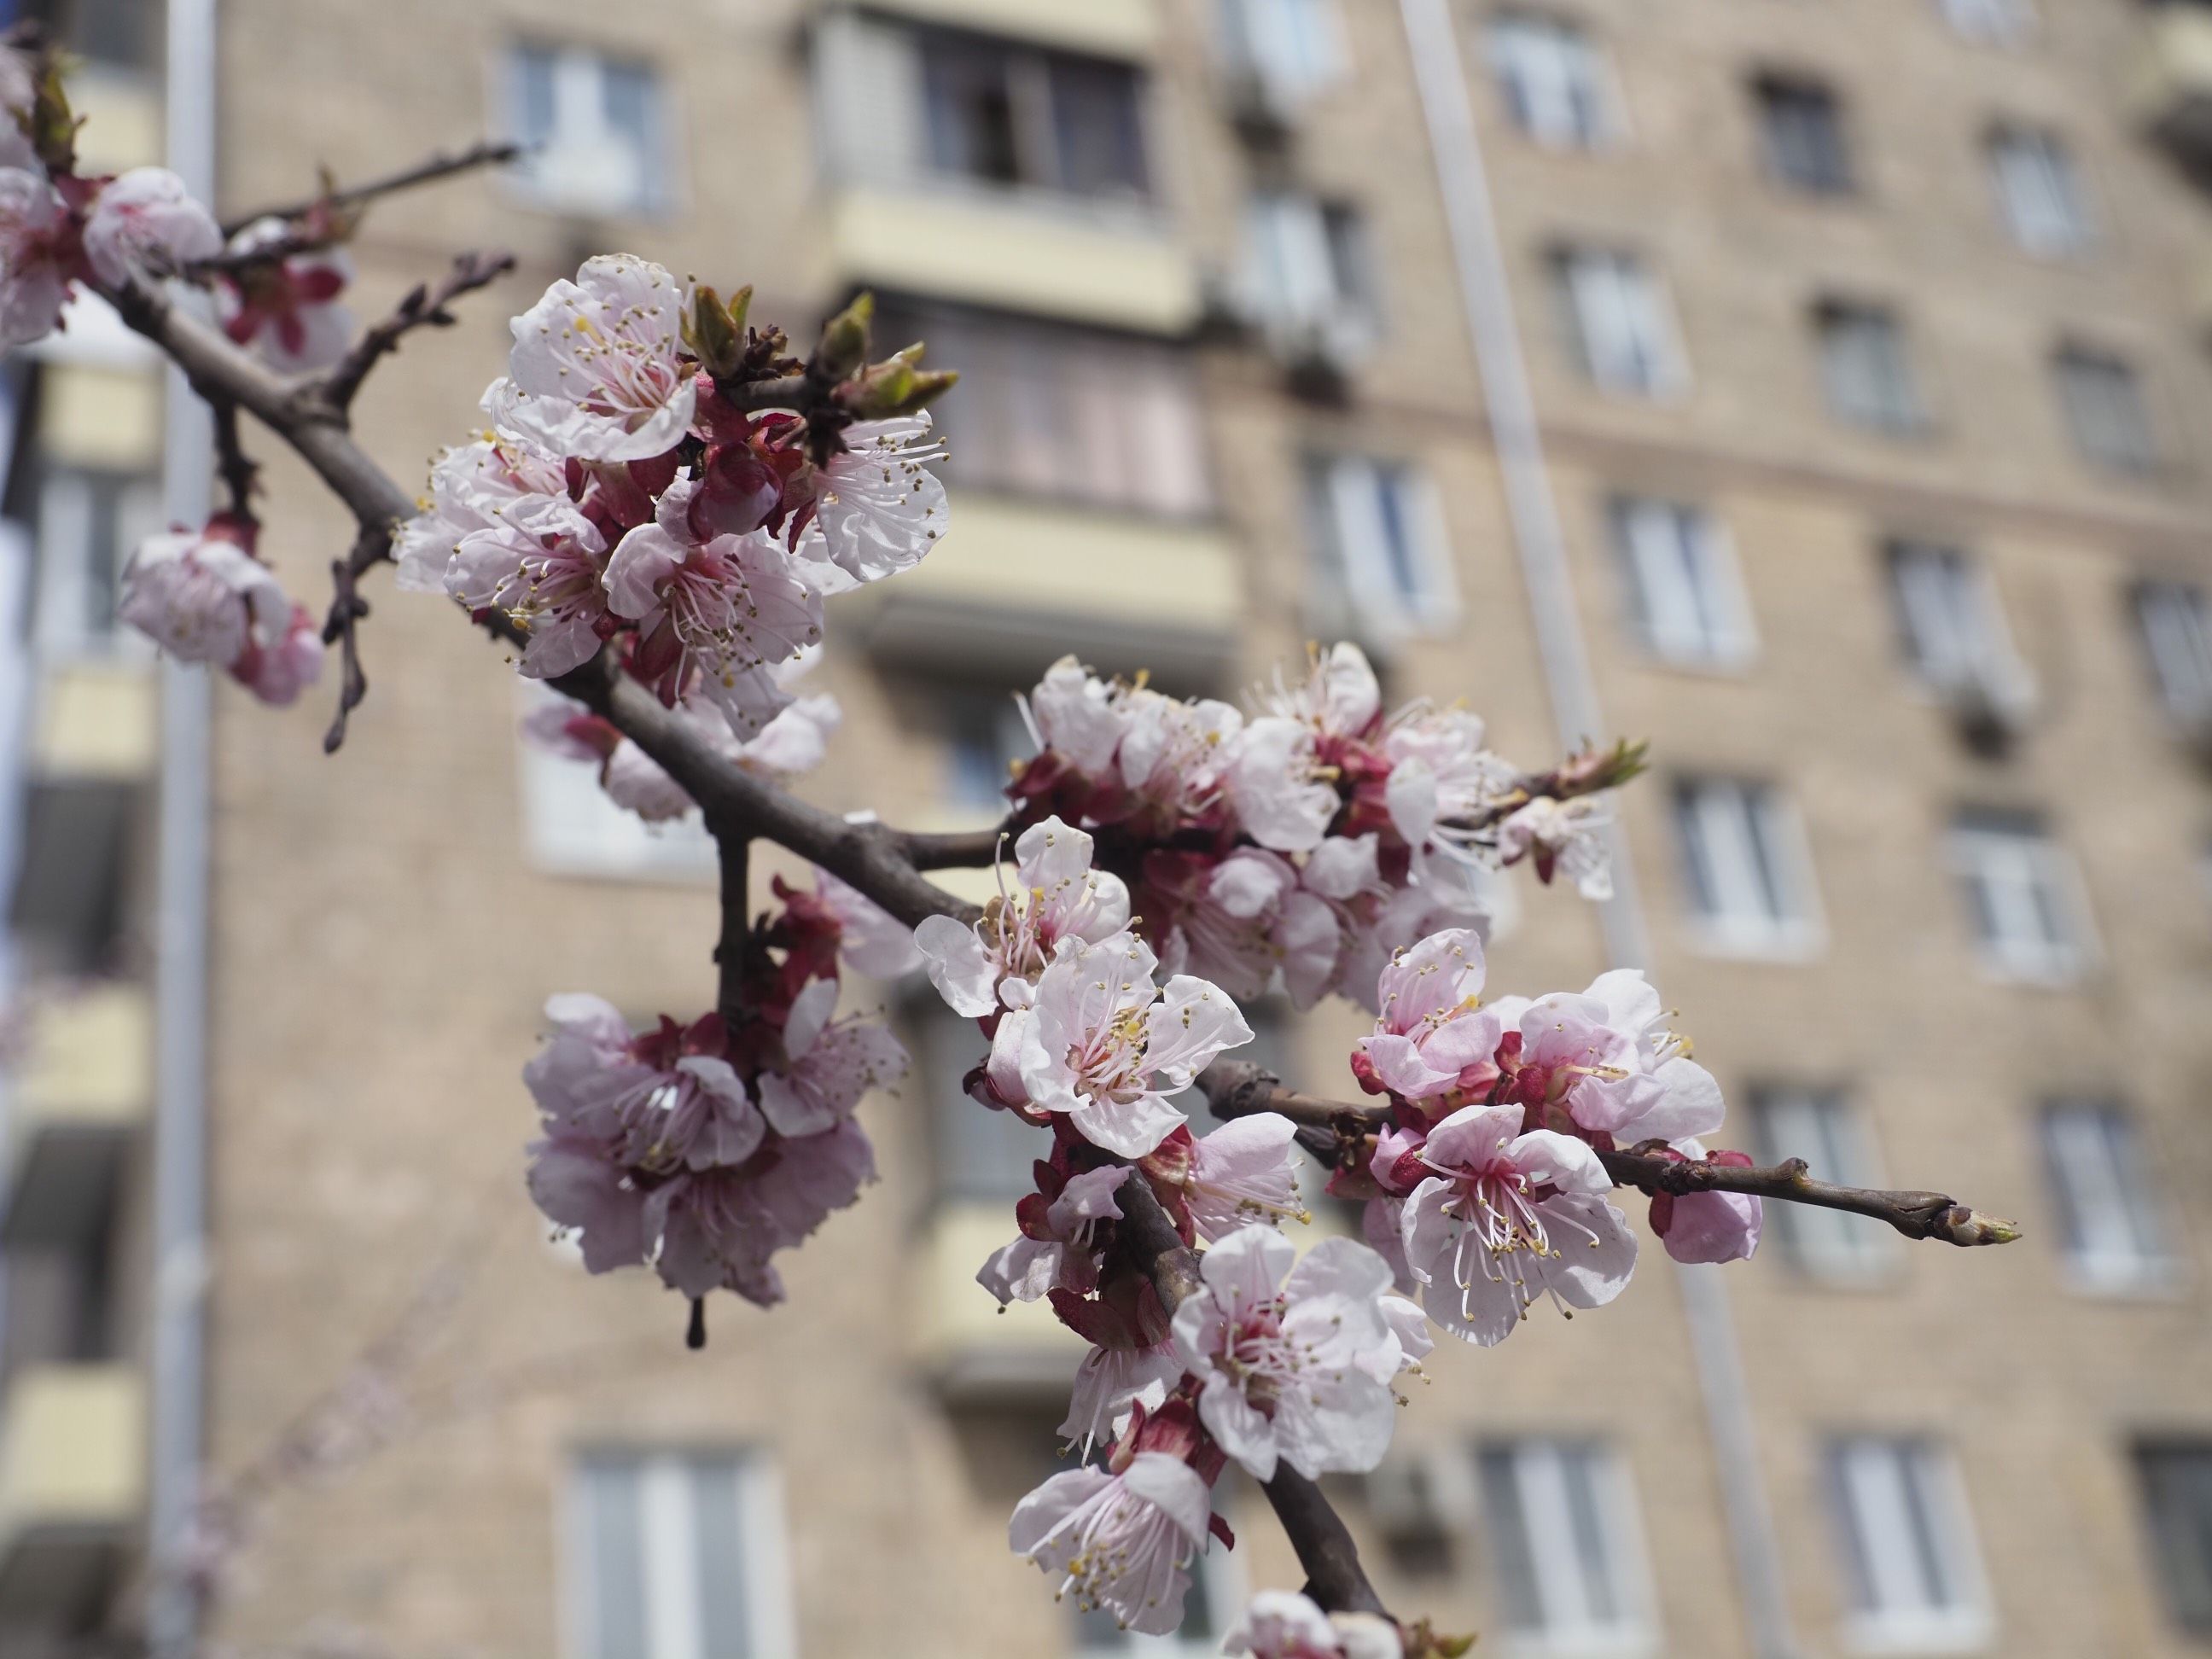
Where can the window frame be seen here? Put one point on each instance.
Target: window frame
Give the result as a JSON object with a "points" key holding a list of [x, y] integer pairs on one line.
{"points": [[1897, 409], [1636, 307], [2121, 1186], [1585, 88], [1308, 266], [1928, 1480], [67, 498], [2009, 846], [2183, 596], [1537, 1466], [763, 1563], [1835, 1136], [1966, 622], [1252, 38], [2126, 398], [2005, 23], [1782, 864], [1355, 575], [1830, 171], [1704, 577], [2194, 1456], [571, 831], [663, 153], [1031, 72], [2069, 228]]}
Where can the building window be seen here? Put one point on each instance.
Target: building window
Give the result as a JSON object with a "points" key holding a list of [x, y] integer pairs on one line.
{"points": [[593, 128], [1801, 129], [2107, 1205], [2177, 631], [2102, 396], [1953, 631], [1380, 549], [89, 522], [1001, 114], [569, 827], [1744, 851], [1066, 414], [984, 735], [1295, 48], [2023, 895], [1618, 318], [1824, 1128], [1865, 369], [2040, 191], [1689, 604], [1564, 1545], [982, 1155], [114, 32], [1552, 80], [1308, 268], [1994, 22], [676, 1555], [1909, 1557], [2176, 1488]]}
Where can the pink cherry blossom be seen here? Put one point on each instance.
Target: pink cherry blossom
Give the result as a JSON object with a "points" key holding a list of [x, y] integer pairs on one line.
{"points": [[877, 507], [1174, 756], [715, 615], [145, 224], [36, 254], [829, 1064], [548, 576], [1507, 1218], [205, 597], [1243, 1173], [659, 1099], [1052, 1251], [1057, 895], [794, 743], [1075, 714], [1123, 1541], [870, 939], [287, 310], [1563, 837], [1708, 1226], [1605, 1060], [717, 1228], [1106, 1047], [1442, 781], [1284, 1350], [276, 672], [1284, 1624], [494, 482], [1431, 1026], [596, 372], [1239, 920], [1109, 1383]]}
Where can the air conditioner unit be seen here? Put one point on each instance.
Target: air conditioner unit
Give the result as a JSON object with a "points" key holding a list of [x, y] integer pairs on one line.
{"points": [[1318, 354], [1263, 110], [1991, 703], [1421, 1499]]}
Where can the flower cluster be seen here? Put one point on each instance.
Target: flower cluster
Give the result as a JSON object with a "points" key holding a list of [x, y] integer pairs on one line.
{"points": [[1312, 839], [621, 494], [206, 598], [1487, 1188], [1284, 1624], [280, 297], [706, 1148]]}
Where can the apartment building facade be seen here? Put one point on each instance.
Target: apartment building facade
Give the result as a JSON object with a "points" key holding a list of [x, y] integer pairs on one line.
{"points": [[1820, 391]]}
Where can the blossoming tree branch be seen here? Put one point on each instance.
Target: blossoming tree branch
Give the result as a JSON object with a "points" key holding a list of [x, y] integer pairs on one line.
{"points": [[658, 519]]}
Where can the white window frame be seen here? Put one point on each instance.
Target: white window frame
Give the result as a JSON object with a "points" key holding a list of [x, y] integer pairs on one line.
{"points": [[61, 628], [1878, 1484], [1556, 82], [1862, 394], [1954, 624], [1687, 585], [2175, 618], [668, 1553], [1296, 48], [557, 178], [1294, 280], [570, 828], [1217, 1574], [1625, 331], [2011, 867], [1348, 532], [1734, 822], [1562, 1585], [2129, 413], [1831, 1133], [1992, 22], [2094, 1158], [2040, 191]]}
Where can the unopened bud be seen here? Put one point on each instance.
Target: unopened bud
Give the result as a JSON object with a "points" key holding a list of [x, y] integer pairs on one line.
{"points": [[1964, 1227], [707, 330], [844, 347]]}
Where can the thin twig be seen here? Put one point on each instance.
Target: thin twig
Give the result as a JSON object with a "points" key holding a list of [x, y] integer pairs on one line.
{"points": [[240, 471], [1239, 1088], [733, 950], [425, 172], [423, 306], [340, 628]]}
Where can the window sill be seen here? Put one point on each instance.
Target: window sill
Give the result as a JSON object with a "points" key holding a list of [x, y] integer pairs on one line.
{"points": [[1800, 946], [2159, 1286], [1970, 1633]]}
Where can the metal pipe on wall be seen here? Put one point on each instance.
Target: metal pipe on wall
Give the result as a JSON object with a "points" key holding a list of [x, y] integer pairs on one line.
{"points": [[177, 1361], [1486, 293]]}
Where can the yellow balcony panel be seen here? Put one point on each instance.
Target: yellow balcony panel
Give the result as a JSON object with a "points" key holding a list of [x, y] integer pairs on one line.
{"points": [[970, 1346], [122, 115], [1015, 583], [86, 1086], [105, 417], [2171, 90], [1109, 28], [1017, 254], [96, 719], [72, 1485]]}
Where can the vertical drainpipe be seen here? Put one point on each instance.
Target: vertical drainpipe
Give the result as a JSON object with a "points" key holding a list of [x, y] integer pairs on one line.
{"points": [[177, 1360], [1511, 409]]}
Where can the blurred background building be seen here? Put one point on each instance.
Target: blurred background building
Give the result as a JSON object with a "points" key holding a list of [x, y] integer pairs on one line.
{"points": [[1818, 388]]}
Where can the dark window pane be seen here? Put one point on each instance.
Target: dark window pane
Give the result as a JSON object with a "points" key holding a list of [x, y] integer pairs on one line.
{"points": [[1101, 150]]}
